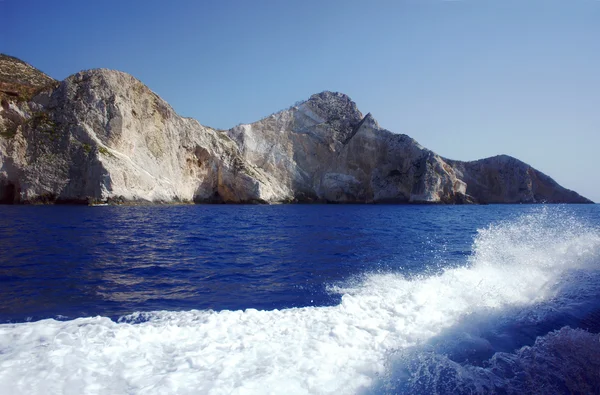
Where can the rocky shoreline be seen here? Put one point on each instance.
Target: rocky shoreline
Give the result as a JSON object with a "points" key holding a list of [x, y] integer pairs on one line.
{"points": [[101, 136]]}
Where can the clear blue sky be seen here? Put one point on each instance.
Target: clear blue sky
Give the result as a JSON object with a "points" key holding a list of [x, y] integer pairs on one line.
{"points": [[465, 78]]}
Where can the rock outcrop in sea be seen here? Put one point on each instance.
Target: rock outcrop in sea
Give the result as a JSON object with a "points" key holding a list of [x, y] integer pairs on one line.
{"points": [[102, 136]]}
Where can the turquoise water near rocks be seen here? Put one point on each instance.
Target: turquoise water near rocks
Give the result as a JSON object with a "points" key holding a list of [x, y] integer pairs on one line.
{"points": [[300, 299]]}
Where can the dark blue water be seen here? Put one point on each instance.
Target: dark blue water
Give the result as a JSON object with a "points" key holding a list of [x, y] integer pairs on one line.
{"points": [[75, 261], [66, 262]]}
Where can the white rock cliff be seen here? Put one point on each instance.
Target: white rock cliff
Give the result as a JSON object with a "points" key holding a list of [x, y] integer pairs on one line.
{"points": [[101, 135]]}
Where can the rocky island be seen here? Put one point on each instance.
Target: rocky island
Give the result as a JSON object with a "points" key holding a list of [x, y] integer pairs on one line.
{"points": [[103, 136]]}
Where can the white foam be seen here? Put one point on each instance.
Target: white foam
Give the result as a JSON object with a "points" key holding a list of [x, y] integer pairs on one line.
{"points": [[338, 349]]}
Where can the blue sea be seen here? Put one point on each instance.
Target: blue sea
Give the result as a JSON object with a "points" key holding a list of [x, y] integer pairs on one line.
{"points": [[300, 299]]}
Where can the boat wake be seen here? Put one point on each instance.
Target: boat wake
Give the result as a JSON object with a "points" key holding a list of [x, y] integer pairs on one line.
{"points": [[521, 315]]}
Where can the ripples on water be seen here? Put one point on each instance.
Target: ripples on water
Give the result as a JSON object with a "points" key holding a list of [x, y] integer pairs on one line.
{"points": [[80, 261]]}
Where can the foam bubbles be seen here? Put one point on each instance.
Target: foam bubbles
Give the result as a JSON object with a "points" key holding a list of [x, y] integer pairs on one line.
{"points": [[337, 349]]}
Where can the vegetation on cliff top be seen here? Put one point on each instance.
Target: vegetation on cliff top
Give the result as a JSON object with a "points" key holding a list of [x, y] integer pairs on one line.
{"points": [[19, 81]]}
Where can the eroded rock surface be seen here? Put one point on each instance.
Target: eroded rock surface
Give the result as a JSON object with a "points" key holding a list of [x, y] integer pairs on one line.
{"points": [[101, 135], [325, 150]]}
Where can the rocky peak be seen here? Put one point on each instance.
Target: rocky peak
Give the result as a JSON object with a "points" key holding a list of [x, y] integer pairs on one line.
{"points": [[334, 106], [106, 79], [337, 114]]}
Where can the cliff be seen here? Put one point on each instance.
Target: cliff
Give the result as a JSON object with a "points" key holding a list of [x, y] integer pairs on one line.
{"points": [[101, 135], [324, 149]]}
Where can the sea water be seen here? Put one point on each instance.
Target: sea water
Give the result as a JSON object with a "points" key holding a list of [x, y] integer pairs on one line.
{"points": [[300, 299]]}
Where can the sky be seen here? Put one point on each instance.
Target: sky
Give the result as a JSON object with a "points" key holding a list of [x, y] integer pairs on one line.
{"points": [[466, 78]]}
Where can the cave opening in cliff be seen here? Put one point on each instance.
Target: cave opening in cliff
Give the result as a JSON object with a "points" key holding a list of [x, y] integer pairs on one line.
{"points": [[9, 193]]}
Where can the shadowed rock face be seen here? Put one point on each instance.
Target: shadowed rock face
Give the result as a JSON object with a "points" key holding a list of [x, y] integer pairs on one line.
{"points": [[101, 135], [504, 179]]}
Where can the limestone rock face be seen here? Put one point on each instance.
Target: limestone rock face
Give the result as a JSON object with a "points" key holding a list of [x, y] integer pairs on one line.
{"points": [[101, 135], [324, 149]]}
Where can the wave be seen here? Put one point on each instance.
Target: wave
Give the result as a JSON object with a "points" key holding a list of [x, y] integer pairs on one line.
{"points": [[535, 271], [565, 361]]}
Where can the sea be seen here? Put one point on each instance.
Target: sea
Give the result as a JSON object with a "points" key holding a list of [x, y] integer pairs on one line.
{"points": [[300, 299]]}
